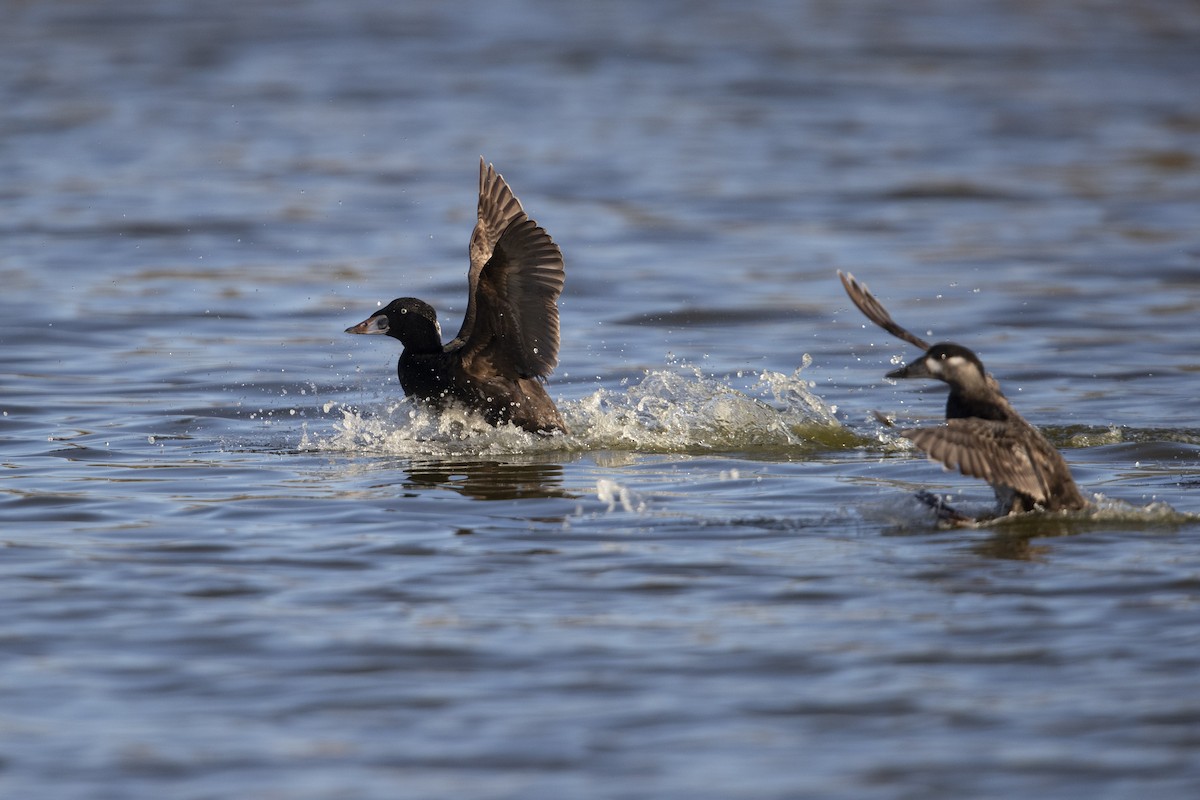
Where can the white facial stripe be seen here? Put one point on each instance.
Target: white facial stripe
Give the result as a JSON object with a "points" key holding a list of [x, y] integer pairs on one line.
{"points": [[935, 366]]}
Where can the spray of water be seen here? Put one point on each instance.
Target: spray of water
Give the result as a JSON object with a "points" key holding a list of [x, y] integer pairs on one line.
{"points": [[679, 409]]}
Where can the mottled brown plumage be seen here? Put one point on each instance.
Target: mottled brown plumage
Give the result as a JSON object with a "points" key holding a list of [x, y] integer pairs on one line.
{"points": [[984, 436], [508, 342]]}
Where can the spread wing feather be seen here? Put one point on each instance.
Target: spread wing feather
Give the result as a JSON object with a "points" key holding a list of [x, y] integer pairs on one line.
{"points": [[989, 450], [515, 325], [498, 208], [873, 310]]}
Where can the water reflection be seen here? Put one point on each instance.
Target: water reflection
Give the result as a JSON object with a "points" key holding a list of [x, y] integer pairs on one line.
{"points": [[490, 480], [1014, 546]]}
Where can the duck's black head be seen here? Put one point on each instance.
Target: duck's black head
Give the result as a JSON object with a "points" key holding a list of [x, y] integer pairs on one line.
{"points": [[412, 321], [950, 363]]}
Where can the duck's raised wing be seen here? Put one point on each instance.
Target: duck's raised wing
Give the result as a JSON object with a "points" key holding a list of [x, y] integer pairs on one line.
{"points": [[498, 207], [873, 310], [514, 300]]}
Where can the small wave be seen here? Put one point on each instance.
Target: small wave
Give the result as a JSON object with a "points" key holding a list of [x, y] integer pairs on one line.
{"points": [[1109, 509], [1094, 437], [677, 410], [1080, 436]]}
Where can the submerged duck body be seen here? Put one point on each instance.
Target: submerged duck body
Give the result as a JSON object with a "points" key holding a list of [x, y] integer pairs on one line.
{"points": [[508, 342], [984, 436]]}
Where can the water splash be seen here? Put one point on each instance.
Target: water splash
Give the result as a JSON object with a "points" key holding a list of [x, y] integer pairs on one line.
{"points": [[675, 410], [686, 411], [405, 427], [614, 494]]}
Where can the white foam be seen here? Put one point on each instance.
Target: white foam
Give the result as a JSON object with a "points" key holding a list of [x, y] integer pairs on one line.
{"points": [[614, 494], [679, 409]]}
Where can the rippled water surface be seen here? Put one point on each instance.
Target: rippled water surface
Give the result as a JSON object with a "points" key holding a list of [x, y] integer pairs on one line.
{"points": [[236, 563]]}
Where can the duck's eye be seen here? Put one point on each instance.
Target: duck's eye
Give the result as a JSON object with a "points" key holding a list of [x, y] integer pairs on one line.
{"points": [[404, 311]]}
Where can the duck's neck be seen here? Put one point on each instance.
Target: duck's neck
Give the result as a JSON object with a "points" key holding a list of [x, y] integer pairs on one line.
{"points": [[961, 404], [425, 340]]}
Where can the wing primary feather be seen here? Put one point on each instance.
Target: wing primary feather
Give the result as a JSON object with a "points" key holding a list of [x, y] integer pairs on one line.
{"points": [[873, 310]]}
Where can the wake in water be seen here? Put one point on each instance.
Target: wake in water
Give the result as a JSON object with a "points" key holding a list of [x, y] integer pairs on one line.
{"points": [[915, 515], [679, 410]]}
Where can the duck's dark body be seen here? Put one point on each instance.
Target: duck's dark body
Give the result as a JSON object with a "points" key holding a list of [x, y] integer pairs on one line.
{"points": [[439, 378], [984, 436], [508, 342]]}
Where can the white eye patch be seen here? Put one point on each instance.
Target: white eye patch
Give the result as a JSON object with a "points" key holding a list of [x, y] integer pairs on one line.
{"points": [[939, 365]]}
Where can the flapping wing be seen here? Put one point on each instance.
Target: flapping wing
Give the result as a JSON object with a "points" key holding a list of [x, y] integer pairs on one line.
{"points": [[515, 299], [498, 208], [873, 310], [993, 451]]}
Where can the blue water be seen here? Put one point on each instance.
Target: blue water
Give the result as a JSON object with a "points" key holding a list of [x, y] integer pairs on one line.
{"points": [[236, 563]]}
